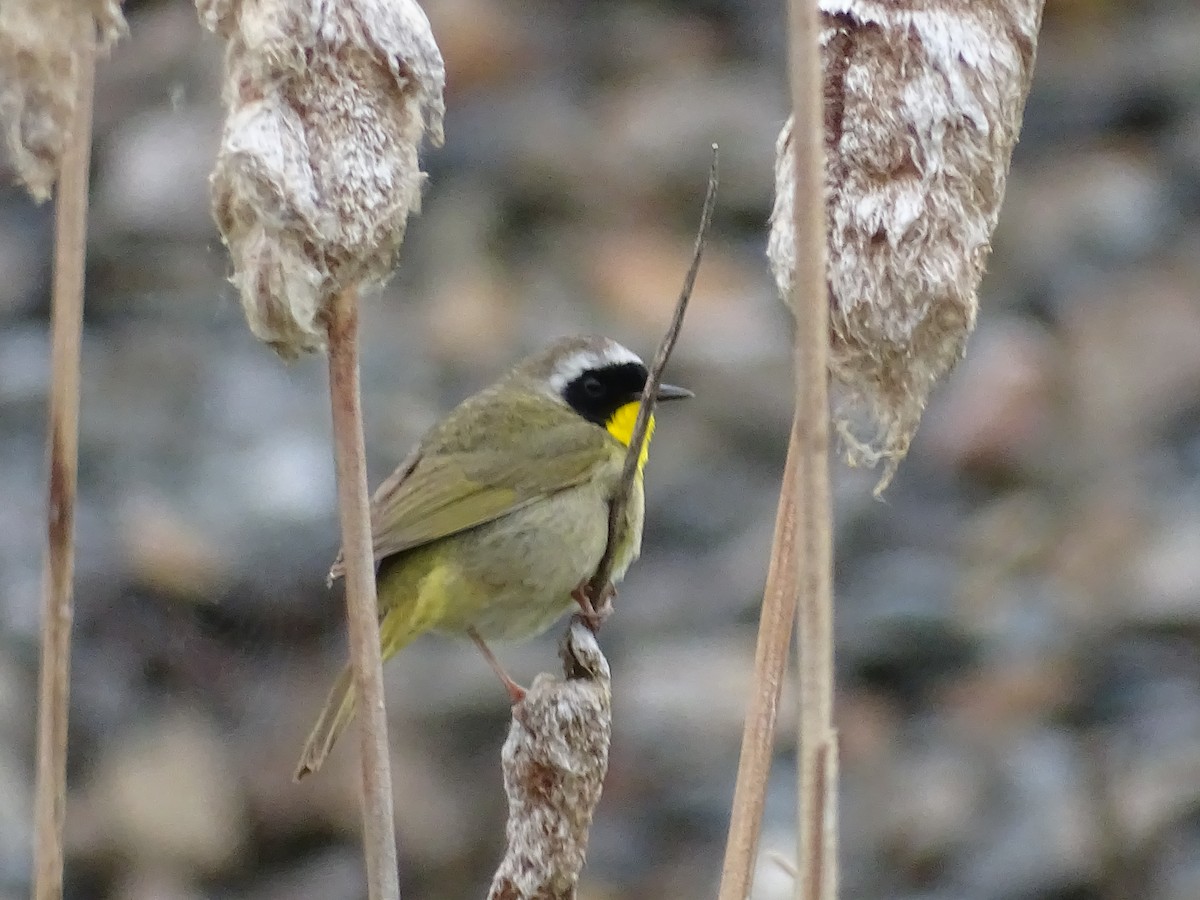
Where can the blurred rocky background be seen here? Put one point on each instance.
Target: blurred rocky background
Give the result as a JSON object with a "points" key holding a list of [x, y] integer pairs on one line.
{"points": [[1018, 620]]}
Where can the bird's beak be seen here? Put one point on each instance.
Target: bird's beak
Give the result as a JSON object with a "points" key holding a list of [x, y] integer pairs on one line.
{"points": [[671, 392]]}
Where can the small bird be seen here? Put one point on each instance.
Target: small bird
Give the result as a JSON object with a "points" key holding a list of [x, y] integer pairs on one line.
{"points": [[495, 521]]}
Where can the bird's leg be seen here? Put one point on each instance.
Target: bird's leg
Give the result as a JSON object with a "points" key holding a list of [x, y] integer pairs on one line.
{"points": [[515, 691], [594, 614]]}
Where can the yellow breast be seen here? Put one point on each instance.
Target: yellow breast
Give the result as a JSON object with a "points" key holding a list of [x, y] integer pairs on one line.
{"points": [[620, 426]]}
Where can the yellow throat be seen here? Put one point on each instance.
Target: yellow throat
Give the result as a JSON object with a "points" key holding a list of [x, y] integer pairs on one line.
{"points": [[620, 426]]}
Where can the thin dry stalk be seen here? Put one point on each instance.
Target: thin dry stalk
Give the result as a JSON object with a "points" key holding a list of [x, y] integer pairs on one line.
{"points": [[556, 754], [616, 509], [812, 555], [555, 760], [379, 833], [800, 570], [770, 664], [70, 244]]}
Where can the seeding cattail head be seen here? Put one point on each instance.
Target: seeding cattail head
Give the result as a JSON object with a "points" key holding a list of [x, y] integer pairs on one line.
{"points": [[39, 60], [923, 106], [555, 759], [317, 172]]}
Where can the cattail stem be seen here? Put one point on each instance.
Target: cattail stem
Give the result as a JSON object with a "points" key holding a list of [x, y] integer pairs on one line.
{"points": [[813, 559], [800, 572], [556, 754], [379, 833], [70, 246], [616, 508], [770, 666]]}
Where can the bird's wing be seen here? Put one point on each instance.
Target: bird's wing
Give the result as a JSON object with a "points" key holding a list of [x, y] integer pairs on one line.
{"points": [[437, 494]]}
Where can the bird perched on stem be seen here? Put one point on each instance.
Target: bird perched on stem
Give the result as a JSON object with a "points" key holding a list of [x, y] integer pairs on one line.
{"points": [[494, 523]]}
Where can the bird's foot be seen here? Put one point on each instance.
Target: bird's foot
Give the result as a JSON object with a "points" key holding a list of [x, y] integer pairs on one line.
{"points": [[594, 614], [516, 693]]}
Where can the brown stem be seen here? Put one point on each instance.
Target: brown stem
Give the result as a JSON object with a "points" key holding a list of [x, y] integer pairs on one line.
{"points": [[556, 754], [616, 509], [770, 665], [817, 839], [70, 246], [379, 834]]}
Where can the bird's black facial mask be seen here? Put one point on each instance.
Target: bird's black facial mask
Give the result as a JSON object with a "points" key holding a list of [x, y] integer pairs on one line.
{"points": [[597, 394], [610, 397]]}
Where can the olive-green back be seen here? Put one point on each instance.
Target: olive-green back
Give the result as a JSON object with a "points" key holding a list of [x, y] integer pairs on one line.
{"points": [[498, 451]]}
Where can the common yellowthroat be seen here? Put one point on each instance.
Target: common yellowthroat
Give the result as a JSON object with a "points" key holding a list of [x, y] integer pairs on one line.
{"points": [[495, 520]]}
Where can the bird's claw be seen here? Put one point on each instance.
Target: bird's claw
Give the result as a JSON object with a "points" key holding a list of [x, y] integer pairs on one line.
{"points": [[594, 614], [516, 693]]}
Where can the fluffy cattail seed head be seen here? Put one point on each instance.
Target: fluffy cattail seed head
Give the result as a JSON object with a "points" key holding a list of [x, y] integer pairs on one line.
{"points": [[555, 760], [39, 58], [328, 101], [923, 106]]}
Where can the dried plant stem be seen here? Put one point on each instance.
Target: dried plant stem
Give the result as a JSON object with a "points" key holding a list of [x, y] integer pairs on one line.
{"points": [[616, 509], [770, 665], [813, 552], [556, 754], [70, 246], [379, 833]]}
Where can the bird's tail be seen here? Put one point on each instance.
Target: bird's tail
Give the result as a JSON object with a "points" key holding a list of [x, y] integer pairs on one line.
{"points": [[396, 632], [335, 716]]}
